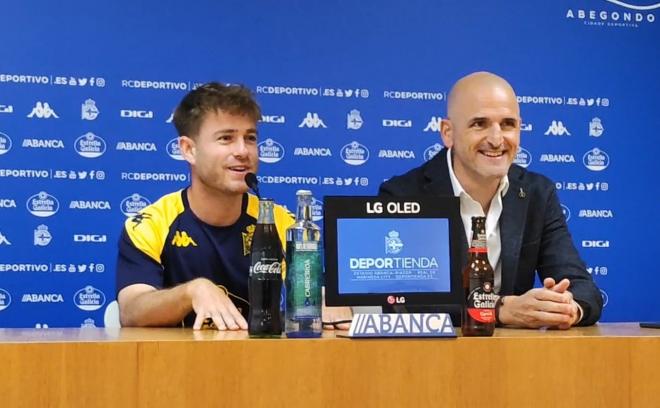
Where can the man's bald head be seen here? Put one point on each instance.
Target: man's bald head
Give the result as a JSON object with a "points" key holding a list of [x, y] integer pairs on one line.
{"points": [[470, 90], [482, 129]]}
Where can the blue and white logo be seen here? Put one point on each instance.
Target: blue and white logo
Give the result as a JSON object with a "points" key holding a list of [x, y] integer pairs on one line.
{"points": [[596, 159], [434, 124], [354, 120], [42, 204], [173, 149], [89, 299], [566, 212], [355, 154], [431, 151], [5, 143], [596, 128], [523, 157], [643, 6], [317, 210], [90, 145], [393, 244], [42, 236], [133, 204], [89, 111], [270, 151], [606, 299], [5, 299]]}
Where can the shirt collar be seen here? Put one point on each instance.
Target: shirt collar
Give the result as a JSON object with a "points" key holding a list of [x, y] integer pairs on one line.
{"points": [[458, 188]]}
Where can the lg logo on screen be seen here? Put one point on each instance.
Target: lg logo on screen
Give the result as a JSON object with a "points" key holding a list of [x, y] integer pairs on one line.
{"points": [[396, 299]]}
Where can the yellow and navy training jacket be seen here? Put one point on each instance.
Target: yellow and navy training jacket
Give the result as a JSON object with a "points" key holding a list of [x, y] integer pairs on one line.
{"points": [[165, 245]]}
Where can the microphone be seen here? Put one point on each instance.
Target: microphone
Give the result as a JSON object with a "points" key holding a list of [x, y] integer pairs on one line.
{"points": [[253, 183]]}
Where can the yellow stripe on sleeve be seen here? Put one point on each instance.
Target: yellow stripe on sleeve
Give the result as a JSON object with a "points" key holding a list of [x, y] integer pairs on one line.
{"points": [[149, 228]]}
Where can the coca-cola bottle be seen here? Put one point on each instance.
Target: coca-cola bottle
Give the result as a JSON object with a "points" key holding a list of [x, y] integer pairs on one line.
{"points": [[478, 285], [265, 280]]}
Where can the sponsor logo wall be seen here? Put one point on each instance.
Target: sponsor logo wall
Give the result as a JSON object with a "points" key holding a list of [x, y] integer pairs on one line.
{"points": [[82, 148]]}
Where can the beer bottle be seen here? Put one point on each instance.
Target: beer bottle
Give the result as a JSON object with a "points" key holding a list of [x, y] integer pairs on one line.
{"points": [[478, 280], [303, 274], [265, 279]]}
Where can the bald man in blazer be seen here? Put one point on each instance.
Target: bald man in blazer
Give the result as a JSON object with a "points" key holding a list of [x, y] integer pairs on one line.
{"points": [[525, 226]]}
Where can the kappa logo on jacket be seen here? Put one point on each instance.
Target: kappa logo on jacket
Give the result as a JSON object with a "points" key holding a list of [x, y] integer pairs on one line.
{"points": [[182, 239]]}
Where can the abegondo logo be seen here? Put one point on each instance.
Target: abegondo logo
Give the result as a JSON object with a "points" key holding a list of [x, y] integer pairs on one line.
{"points": [[42, 204], [355, 154], [90, 145], [89, 299], [173, 149], [133, 204], [566, 211], [596, 160], [270, 151]]}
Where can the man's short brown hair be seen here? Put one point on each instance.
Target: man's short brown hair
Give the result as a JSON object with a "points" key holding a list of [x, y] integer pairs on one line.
{"points": [[212, 97]]}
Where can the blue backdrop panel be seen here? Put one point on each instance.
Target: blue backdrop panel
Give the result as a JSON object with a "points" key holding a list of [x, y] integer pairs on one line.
{"points": [[351, 94]]}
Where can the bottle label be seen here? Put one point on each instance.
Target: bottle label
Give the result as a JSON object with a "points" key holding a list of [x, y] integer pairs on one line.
{"points": [[304, 280], [478, 245], [266, 268], [481, 303]]}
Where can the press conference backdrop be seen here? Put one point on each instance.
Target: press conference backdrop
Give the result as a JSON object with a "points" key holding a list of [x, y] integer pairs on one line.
{"points": [[352, 93]]}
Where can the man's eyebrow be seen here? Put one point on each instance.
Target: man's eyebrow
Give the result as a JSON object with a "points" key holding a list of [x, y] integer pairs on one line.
{"points": [[232, 131]]}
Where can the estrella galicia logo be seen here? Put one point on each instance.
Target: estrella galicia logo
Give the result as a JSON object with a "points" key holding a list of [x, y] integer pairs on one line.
{"points": [[355, 154], [393, 244], [89, 299], [566, 212], [606, 298], [133, 204], [5, 299], [5, 143], [270, 151], [523, 157], [173, 149], [42, 204], [90, 145], [431, 151], [596, 159], [317, 210]]}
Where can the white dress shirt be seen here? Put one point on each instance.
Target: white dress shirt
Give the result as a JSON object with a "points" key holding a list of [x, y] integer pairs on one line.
{"points": [[471, 208]]}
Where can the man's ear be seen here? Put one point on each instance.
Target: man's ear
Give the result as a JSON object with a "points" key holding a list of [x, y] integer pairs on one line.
{"points": [[447, 133], [188, 150]]}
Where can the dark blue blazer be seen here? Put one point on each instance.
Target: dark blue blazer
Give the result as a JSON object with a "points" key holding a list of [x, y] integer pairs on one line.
{"points": [[533, 231]]}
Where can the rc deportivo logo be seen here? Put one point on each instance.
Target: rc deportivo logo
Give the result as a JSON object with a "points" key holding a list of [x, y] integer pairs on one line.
{"points": [[393, 244]]}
